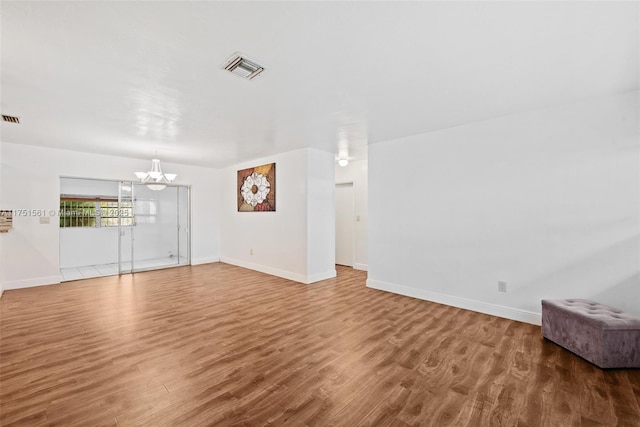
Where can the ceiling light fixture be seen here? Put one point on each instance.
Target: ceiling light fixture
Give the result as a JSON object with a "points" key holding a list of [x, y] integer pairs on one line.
{"points": [[343, 161], [155, 179], [242, 66]]}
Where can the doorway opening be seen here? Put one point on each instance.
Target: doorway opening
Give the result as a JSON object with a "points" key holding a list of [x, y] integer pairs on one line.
{"points": [[117, 227], [345, 227]]}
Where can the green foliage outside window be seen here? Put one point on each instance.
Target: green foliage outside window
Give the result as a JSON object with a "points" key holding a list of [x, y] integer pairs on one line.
{"points": [[94, 213]]}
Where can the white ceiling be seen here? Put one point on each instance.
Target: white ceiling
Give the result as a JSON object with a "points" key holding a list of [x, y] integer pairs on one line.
{"points": [[127, 78]]}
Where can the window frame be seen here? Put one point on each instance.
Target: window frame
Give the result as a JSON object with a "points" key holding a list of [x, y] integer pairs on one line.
{"points": [[89, 212]]}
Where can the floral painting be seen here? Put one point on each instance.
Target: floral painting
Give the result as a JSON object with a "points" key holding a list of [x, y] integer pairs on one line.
{"points": [[257, 189]]}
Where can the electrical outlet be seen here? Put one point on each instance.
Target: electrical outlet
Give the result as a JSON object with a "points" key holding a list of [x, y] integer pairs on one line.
{"points": [[502, 286]]}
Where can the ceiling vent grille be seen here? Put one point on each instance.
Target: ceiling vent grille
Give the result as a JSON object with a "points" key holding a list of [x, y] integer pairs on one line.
{"points": [[10, 119], [243, 67]]}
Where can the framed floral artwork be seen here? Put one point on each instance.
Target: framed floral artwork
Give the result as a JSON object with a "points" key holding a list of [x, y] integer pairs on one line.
{"points": [[257, 189]]}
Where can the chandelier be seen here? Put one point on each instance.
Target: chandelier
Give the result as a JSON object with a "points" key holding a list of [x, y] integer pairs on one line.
{"points": [[155, 179]]}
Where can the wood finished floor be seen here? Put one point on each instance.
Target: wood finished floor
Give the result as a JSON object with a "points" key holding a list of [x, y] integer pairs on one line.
{"points": [[220, 345]]}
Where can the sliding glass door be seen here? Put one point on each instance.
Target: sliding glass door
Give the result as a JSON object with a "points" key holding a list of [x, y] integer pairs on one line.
{"points": [[184, 218], [119, 227], [124, 215], [158, 234]]}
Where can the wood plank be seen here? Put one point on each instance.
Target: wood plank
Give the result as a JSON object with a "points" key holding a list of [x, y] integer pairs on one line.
{"points": [[220, 345]]}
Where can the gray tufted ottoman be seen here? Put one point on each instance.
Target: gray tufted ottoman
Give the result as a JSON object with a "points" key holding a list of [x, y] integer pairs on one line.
{"points": [[602, 335]]}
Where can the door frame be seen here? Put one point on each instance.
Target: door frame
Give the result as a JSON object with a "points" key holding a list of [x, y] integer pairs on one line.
{"points": [[129, 181]]}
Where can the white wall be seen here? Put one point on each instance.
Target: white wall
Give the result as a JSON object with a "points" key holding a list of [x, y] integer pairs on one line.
{"points": [[88, 187], [281, 240], [81, 246], [547, 201], [356, 172], [321, 226], [30, 180]]}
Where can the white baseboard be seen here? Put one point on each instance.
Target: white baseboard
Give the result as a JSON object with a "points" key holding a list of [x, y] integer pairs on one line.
{"points": [[296, 277], [357, 266], [205, 260], [321, 276], [29, 283], [467, 304]]}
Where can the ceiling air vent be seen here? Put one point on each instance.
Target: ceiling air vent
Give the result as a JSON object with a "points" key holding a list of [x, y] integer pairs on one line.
{"points": [[10, 119], [243, 67]]}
